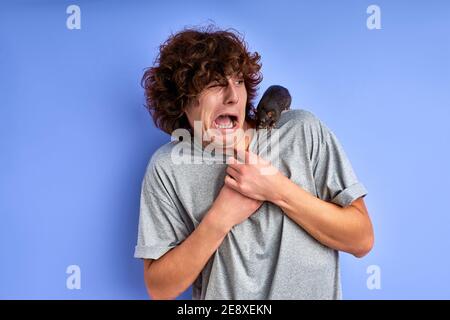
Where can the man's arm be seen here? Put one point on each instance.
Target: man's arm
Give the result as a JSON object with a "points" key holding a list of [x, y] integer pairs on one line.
{"points": [[346, 229], [175, 271]]}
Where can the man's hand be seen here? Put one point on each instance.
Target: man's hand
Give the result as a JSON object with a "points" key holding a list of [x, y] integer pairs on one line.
{"points": [[231, 208], [254, 178], [346, 229]]}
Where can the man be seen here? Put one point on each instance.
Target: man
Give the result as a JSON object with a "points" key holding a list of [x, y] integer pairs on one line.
{"points": [[227, 228]]}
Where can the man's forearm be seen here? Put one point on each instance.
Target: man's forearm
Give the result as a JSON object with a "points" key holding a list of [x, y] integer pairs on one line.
{"points": [[346, 229], [174, 272]]}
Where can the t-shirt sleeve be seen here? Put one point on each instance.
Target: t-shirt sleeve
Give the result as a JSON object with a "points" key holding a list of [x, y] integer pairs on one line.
{"points": [[161, 226], [334, 176]]}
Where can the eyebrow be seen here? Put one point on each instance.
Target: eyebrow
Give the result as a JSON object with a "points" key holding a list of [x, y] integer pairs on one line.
{"points": [[237, 75]]}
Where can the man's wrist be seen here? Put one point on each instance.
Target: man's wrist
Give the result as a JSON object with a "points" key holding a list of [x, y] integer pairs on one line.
{"points": [[281, 185], [213, 222]]}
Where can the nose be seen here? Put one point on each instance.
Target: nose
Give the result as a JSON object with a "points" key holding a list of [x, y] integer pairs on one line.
{"points": [[231, 94]]}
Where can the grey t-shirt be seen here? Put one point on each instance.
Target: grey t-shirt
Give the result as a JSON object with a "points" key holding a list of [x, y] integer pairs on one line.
{"points": [[268, 256]]}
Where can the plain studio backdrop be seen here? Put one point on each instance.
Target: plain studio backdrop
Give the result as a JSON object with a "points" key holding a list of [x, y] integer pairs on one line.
{"points": [[75, 137]]}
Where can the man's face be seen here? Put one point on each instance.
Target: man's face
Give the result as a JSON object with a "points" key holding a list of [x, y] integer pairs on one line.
{"points": [[221, 108]]}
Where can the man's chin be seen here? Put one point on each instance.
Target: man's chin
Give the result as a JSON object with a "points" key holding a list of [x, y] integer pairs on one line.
{"points": [[225, 139], [224, 143]]}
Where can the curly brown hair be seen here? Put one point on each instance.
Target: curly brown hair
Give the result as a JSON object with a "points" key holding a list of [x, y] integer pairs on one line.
{"points": [[187, 62]]}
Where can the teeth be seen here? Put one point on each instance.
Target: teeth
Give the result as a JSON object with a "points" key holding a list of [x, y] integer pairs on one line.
{"points": [[225, 126], [229, 126]]}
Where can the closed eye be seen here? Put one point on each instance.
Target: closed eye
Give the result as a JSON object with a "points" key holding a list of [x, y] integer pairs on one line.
{"points": [[213, 85], [217, 84]]}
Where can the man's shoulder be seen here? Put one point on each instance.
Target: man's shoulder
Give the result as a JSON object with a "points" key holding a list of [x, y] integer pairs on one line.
{"points": [[161, 158], [163, 153], [298, 118]]}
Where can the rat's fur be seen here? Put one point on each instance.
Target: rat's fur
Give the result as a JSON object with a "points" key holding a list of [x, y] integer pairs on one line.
{"points": [[274, 100]]}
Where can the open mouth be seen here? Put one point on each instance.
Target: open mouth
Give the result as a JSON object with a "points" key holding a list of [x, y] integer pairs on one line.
{"points": [[226, 122]]}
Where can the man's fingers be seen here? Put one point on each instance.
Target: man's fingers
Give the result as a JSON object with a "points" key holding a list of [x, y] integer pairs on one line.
{"points": [[240, 147], [251, 158], [233, 173], [233, 163], [229, 181]]}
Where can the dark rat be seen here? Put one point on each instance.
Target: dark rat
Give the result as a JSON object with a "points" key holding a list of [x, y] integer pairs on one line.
{"points": [[274, 100]]}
